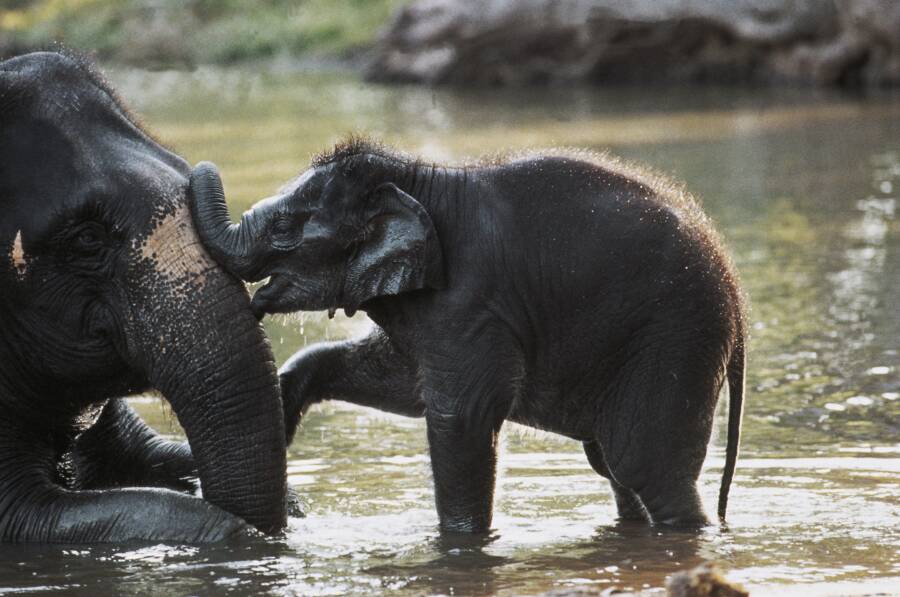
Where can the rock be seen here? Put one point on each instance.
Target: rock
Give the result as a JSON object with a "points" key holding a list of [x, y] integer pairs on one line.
{"points": [[705, 580], [583, 592], [603, 41]]}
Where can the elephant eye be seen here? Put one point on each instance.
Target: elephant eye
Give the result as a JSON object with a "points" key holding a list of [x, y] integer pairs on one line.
{"points": [[281, 226], [284, 233], [88, 239]]}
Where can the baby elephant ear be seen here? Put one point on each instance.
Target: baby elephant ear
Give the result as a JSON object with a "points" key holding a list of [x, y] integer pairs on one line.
{"points": [[400, 253]]}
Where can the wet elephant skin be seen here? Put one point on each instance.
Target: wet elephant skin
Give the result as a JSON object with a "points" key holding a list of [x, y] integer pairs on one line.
{"points": [[563, 290], [105, 290]]}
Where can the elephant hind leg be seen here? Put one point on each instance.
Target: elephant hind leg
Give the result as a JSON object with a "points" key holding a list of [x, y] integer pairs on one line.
{"points": [[628, 503], [654, 433]]}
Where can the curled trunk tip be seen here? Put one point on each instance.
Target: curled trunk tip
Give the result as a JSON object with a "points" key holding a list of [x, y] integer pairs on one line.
{"points": [[223, 239]]}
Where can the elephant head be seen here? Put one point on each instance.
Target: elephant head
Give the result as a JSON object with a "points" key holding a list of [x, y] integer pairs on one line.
{"points": [[337, 237], [105, 288]]}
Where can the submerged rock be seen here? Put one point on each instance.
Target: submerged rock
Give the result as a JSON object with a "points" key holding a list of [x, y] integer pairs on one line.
{"points": [[706, 580], [535, 41]]}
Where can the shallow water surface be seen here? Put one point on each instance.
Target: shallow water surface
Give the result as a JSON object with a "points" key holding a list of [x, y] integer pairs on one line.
{"points": [[805, 189]]}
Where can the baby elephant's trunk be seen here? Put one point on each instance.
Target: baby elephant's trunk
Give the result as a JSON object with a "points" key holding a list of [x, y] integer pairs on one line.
{"points": [[228, 243]]}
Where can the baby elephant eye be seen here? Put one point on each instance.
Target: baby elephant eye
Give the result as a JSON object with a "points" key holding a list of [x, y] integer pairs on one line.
{"points": [[281, 226], [285, 233]]}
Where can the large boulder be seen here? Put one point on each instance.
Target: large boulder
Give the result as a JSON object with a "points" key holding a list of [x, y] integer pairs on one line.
{"points": [[536, 41]]}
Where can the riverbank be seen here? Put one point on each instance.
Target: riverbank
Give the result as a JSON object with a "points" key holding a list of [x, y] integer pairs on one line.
{"points": [[466, 43], [182, 34], [838, 43]]}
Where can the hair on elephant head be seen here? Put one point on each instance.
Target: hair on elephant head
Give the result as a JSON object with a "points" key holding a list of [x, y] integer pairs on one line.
{"points": [[106, 290], [329, 240]]}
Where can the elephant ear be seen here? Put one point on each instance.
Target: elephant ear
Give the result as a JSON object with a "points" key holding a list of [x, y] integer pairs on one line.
{"points": [[401, 251]]}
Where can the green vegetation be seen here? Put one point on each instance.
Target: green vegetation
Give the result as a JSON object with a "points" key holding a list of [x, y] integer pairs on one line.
{"points": [[186, 32]]}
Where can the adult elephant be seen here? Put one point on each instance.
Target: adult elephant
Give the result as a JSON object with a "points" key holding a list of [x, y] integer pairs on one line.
{"points": [[568, 292], [105, 290]]}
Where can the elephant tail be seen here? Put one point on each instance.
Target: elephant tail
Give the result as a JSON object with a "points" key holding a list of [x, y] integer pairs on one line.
{"points": [[735, 375]]}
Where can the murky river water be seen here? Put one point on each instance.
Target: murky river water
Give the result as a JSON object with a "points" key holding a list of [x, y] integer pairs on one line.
{"points": [[806, 190]]}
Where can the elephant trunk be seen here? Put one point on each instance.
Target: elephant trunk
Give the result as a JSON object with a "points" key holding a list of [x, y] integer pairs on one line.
{"points": [[194, 336], [228, 243]]}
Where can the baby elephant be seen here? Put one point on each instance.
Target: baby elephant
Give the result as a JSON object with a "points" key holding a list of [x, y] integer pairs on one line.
{"points": [[564, 291]]}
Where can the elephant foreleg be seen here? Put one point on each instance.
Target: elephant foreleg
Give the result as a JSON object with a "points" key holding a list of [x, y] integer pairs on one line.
{"points": [[467, 399], [120, 450], [369, 372], [34, 509], [50, 514]]}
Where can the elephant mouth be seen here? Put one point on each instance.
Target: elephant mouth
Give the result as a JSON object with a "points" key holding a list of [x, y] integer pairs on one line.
{"points": [[284, 293], [273, 297]]}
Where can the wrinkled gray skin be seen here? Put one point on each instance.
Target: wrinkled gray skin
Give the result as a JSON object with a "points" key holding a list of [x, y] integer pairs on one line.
{"points": [[572, 294], [105, 290]]}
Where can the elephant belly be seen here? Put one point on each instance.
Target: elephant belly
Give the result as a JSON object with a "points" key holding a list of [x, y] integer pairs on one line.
{"points": [[548, 409]]}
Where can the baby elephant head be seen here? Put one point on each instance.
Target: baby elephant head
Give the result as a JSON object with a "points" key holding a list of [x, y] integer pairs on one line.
{"points": [[331, 239]]}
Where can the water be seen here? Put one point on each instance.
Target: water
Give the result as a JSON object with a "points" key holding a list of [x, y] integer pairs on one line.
{"points": [[805, 188]]}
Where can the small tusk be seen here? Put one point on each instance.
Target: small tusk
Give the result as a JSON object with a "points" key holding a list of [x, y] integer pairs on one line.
{"points": [[19, 260]]}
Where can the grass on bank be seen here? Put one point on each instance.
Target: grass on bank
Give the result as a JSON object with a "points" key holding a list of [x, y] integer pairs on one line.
{"points": [[187, 32]]}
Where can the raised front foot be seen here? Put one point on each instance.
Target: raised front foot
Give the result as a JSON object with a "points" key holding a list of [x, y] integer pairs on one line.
{"points": [[368, 371]]}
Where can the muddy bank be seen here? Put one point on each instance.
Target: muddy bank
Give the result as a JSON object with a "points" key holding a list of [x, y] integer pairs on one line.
{"points": [[817, 42]]}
